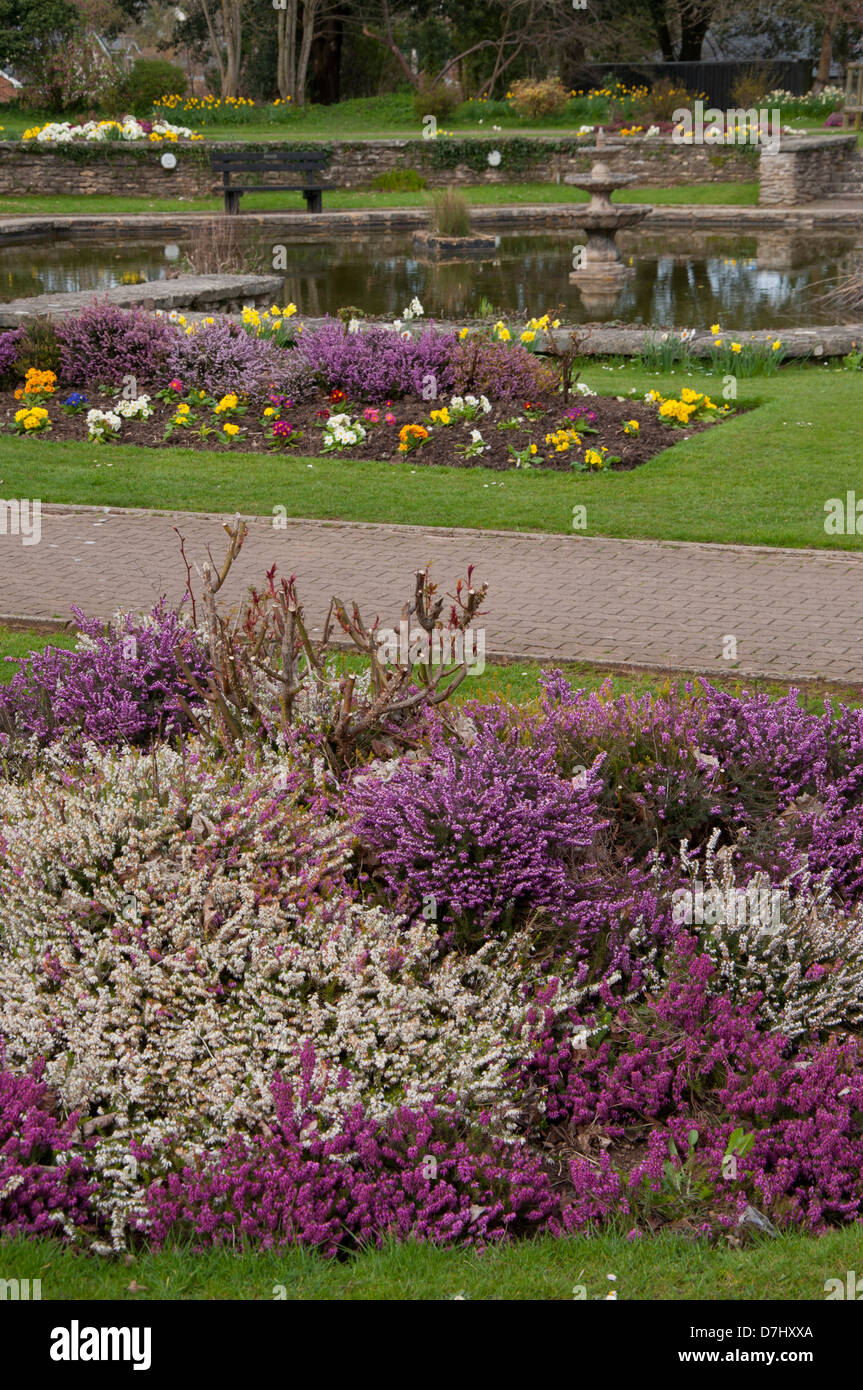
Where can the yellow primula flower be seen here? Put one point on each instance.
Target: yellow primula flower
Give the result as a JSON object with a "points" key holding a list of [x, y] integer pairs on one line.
{"points": [[230, 428]]}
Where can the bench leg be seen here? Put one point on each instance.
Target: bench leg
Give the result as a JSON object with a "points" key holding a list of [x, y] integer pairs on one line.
{"points": [[232, 202], [314, 200]]}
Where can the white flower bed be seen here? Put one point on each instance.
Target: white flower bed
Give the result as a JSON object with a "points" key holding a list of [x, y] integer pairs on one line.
{"points": [[64, 132]]}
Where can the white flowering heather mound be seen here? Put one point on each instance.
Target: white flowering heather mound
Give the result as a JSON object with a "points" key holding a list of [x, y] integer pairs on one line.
{"points": [[168, 939], [792, 945]]}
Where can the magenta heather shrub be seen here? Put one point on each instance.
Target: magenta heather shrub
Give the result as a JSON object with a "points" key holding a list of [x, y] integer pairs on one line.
{"points": [[501, 371], [377, 364], [691, 1060], [38, 1196], [121, 686], [419, 1175], [10, 343], [221, 357], [104, 343], [485, 831]]}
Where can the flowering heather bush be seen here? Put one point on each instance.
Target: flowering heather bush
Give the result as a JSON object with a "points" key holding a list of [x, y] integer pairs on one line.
{"points": [[104, 344], [43, 1190], [806, 971], [10, 343], [501, 371], [379, 363], [778, 781], [692, 1060], [419, 1174], [221, 356], [123, 685], [485, 831], [182, 929]]}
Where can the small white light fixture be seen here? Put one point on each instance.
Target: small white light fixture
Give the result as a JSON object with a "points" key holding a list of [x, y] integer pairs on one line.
{"points": [[172, 252], [494, 158], [168, 160]]}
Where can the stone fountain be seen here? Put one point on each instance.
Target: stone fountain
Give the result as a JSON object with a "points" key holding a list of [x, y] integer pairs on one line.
{"points": [[602, 271]]}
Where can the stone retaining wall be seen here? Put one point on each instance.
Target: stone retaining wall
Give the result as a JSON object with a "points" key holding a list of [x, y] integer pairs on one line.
{"points": [[125, 170], [805, 170]]}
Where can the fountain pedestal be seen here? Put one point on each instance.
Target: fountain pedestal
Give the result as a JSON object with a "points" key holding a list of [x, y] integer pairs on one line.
{"points": [[602, 271]]}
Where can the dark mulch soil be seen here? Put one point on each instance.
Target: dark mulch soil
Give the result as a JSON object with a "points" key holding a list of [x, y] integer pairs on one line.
{"points": [[381, 442]]}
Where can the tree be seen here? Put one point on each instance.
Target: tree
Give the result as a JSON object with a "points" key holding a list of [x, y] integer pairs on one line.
{"points": [[29, 28]]}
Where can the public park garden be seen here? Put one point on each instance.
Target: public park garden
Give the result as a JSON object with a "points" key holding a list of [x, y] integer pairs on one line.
{"points": [[369, 929]]}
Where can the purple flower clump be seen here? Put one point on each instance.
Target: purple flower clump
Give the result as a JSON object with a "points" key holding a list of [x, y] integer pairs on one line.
{"points": [[420, 1174], [482, 830], [38, 1195], [123, 685], [221, 357], [10, 344], [104, 344], [379, 363]]}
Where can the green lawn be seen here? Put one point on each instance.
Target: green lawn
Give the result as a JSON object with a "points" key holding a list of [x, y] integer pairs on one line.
{"points": [[666, 1267], [517, 682], [479, 195], [761, 478]]}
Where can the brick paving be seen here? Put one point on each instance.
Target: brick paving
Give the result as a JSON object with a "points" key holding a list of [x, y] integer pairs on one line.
{"points": [[792, 614]]}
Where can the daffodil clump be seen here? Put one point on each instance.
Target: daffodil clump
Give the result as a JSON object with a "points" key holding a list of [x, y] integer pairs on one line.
{"points": [[752, 358], [273, 323]]}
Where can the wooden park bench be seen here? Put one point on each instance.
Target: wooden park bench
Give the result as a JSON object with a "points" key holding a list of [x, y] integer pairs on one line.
{"points": [[306, 166]]}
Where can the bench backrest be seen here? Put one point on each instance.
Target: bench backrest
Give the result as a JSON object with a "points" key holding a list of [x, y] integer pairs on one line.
{"points": [[307, 161]]}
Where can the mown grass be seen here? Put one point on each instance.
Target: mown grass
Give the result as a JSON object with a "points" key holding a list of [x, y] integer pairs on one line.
{"points": [[760, 478], [665, 1267], [517, 682], [478, 195]]}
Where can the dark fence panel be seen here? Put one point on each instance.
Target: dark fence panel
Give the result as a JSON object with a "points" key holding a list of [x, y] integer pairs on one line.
{"points": [[713, 79]]}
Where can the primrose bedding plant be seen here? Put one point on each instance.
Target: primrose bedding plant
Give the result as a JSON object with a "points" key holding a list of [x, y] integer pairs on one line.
{"points": [[294, 955], [393, 392]]}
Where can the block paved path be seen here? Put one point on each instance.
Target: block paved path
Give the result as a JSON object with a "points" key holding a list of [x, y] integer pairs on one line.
{"points": [[652, 603]]}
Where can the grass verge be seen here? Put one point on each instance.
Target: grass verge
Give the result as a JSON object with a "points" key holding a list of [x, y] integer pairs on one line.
{"points": [[479, 195], [667, 1267]]}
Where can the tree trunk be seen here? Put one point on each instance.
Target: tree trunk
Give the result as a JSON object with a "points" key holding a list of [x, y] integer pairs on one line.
{"points": [[661, 29], [286, 33], [310, 14], [831, 24], [232, 23], [215, 46]]}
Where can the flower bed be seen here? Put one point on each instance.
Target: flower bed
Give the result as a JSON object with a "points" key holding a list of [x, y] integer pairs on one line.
{"points": [[294, 957], [390, 393]]}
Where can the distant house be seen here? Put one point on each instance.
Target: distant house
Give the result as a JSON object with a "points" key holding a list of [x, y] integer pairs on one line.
{"points": [[10, 87]]}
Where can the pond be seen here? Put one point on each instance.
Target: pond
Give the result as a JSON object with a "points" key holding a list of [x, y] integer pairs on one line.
{"points": [[677, 280]]}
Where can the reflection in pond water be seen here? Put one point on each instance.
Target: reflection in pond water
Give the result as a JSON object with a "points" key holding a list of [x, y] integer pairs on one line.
{"points": [[682, 281]]}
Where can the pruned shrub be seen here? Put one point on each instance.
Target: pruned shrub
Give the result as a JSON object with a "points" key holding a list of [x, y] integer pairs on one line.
{"points": [[147, 81], [37, 347]]}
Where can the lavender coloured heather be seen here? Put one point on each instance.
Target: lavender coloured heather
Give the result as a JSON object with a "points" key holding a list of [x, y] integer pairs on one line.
{"points": [[221, 356], [378, 364], [104, 344], [484, 831], [39, 1195], [10, 343], [421, 1174], [120, 685]]}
